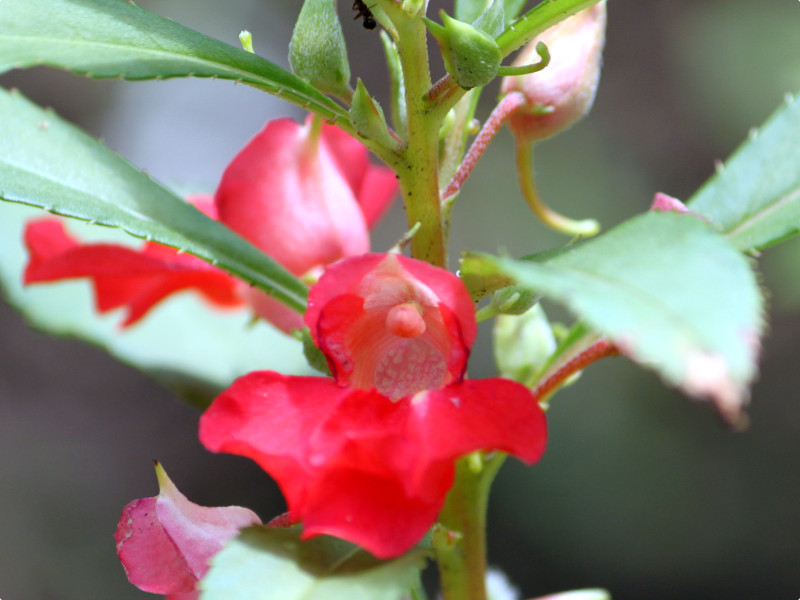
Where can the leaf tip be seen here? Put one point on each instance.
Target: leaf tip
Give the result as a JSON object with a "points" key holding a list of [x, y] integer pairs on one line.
{"points": [[708, 376]]}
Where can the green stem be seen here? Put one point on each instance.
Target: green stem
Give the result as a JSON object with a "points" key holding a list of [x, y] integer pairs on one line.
{"points": [[419, 176], [460, 536]]}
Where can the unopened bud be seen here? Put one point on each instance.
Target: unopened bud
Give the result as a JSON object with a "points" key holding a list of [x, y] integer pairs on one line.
{"points": [[470, 55], [317, 50], [523, 344], [513, 300], [559, 95]]}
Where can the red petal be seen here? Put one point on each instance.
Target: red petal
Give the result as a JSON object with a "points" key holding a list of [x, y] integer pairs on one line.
{"points": [[482, 414], [347, 314], [286, 194], [354, 464], [270, 418], [122, 276], [338, 455], [378, 189], [374, 186]]}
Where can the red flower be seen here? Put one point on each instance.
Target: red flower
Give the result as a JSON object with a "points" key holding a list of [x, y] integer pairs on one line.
{"points": [[369, 456], [306, 197], [165, 542], [123, 276]]}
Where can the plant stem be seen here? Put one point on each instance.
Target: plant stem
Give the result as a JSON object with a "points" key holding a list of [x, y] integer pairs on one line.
{"points": [[460, 537], [499, 115], [419, 176], [562, 372]]}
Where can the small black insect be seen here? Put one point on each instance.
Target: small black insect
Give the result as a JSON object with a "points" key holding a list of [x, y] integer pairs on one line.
{"points": [[365, 13]]}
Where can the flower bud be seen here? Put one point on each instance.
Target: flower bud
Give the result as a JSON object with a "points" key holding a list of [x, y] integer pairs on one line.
{"points": [[513, 300], [471, 56], [522, 344], [317, 50], [563, 92]]}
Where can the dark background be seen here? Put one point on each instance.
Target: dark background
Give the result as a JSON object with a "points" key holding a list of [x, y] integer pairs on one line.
{"points": [[641, 491]]}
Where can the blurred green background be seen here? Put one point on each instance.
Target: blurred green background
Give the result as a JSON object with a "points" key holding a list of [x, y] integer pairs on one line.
{"points": [[641, 491]]}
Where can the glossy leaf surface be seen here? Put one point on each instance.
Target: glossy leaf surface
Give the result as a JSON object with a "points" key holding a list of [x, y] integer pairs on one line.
{"points": [[113, 38]]}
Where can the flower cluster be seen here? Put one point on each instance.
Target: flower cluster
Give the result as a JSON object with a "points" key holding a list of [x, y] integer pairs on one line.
{"points": [[313, 183], [367, 455]]}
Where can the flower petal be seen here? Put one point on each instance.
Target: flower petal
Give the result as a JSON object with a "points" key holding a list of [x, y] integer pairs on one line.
{"points": [[353, 463], [286, 194], [122, 276], [350, 315], [150, 559], [165, 542], [374, 186], [479, 414]]}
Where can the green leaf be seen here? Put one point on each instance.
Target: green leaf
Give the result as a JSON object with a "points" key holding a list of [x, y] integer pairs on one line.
{"points": [[538, 19], [46, 162], [754, 199], [183, 343], [668, 291], [270, 563], [112, 38]]}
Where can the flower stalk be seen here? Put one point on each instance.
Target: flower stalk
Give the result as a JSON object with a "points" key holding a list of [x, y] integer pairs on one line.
{"points": [[460, 536]]}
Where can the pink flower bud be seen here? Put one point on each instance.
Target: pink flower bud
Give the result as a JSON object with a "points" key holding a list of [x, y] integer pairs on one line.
{"points": [[305, 198], [165, 542], [563, 92]]}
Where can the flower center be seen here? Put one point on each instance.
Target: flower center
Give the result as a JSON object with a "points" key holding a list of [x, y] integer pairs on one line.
{"points": [[405, 320]]}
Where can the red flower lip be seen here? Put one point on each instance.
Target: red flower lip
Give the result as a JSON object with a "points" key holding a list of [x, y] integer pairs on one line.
{"points": [[369, 456]]}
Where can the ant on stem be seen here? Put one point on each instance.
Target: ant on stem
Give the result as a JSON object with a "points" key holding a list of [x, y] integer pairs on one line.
{"points": [[365, 13]]}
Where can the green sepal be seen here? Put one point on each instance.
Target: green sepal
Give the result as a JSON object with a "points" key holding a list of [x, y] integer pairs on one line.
{"points": [[470, 55], [316, 359], [398, 87], [367, 119]]}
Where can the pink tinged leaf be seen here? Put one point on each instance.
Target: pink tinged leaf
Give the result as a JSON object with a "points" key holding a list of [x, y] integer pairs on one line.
{"points": [[392, 323], [122, 276], [664, 203], [708, 376], [285, 193], [165, 542]]}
